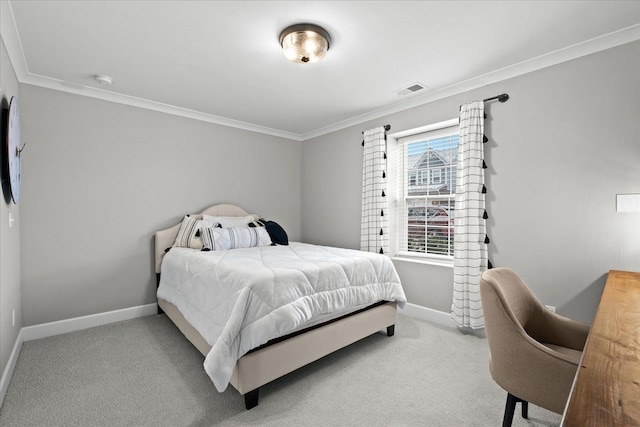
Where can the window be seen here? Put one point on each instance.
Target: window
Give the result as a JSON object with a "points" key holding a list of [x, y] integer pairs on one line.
{"points": [[426, 180], [413, 178], [436, 176]]}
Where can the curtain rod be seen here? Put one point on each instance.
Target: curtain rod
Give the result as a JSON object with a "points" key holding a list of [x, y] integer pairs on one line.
{"points": [[502, 98], [386, 128]]}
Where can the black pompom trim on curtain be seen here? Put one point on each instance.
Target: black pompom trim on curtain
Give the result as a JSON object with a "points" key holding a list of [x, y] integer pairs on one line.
{"points": [[383, 194], [485, 215]]}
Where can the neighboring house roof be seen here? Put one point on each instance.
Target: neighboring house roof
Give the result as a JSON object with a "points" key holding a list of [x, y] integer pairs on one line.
{"points": [[444, 157]]}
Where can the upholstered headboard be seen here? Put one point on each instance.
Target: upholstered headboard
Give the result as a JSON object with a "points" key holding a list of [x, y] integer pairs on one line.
{"points": [[164, 238]]}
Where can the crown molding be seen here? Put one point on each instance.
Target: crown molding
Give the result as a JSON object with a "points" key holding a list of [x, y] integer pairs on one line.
{"points": [[597, 44], [11, 39], [92, 92]]}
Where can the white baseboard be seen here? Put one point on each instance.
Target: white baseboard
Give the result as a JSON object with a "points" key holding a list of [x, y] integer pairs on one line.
{"points": [[78, 323], [426, 313], [44, 330], [11, 364], [439, 317]]}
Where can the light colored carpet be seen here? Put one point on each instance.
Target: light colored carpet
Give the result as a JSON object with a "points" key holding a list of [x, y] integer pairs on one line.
{"points": [[143, 372]]}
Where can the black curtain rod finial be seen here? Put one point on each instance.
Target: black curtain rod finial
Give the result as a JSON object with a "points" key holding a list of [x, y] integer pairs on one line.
{"points": [[502, 98]]}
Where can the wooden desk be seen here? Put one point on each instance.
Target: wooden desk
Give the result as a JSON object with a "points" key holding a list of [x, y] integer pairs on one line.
{"points": [[606, 389]]}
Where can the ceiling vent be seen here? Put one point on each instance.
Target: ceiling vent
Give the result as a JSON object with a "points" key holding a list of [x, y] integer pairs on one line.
{"points": [[415, 87]]}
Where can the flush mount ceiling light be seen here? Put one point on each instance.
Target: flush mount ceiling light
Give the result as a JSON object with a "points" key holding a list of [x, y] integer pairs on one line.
{"points": [[305, 43]]}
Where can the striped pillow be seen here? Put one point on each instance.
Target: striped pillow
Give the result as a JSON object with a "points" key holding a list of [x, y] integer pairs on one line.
{"points": [[219, 239], [188, 236]]}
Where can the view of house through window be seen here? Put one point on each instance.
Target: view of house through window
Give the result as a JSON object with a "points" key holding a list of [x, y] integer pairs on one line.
{"points": [[429, 185]]}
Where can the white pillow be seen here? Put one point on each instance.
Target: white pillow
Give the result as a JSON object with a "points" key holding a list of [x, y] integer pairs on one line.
{"points": [[229, 221], [186, 237], [218, 239]]}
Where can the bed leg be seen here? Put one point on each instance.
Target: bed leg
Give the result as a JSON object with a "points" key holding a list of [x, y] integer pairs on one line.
{"points": [[160, 311], [251, 399], [391, 330]]}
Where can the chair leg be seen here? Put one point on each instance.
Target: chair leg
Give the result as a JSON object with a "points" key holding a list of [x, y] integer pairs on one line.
{"points": [[525, 409], [510, 409]]}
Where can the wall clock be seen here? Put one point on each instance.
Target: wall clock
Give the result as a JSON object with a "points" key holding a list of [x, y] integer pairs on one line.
{"points": [[14, 151]]}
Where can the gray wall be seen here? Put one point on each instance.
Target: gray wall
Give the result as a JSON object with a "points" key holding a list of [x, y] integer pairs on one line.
{"points": [[9, 238], [99, 178], [560, 150]]}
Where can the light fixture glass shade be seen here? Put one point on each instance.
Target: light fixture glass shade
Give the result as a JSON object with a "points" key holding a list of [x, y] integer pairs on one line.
{"points": [[305, 43]]}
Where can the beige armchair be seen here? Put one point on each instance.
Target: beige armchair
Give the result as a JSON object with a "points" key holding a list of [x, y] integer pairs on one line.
{"points": [[534, 352]]}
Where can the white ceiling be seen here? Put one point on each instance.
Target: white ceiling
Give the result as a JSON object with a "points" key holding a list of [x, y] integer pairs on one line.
{"points": [[221, 61]]}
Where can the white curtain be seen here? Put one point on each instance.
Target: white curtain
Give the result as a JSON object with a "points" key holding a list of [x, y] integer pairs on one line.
{"points": [[375, 220], [470, 241]]}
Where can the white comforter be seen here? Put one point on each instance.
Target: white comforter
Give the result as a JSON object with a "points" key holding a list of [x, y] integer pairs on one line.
{"points": [[241, 298]]}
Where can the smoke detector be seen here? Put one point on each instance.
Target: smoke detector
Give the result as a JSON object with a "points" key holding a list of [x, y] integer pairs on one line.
{"points": [[103, 80], [413, 88]]}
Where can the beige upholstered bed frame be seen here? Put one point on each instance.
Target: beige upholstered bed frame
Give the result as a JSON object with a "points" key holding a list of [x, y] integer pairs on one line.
{"points": [[263, 365]]}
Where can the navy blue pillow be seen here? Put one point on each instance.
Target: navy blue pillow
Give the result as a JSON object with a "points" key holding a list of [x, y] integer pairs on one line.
{"points": [[276, 232]]}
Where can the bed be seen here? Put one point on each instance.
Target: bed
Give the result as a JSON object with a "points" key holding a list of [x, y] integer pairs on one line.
{"points": [[259, 313]]}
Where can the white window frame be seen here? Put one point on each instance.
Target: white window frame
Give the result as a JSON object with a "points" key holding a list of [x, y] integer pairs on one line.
{"points": [[397, 224]]}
